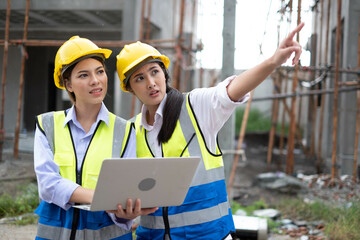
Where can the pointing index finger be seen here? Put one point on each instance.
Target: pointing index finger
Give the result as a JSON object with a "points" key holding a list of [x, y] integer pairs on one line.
{"points": [[296, 30]]}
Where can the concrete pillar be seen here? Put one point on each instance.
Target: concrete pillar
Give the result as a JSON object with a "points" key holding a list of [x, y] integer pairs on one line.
{"points": [[130, 26], [227, 134]]}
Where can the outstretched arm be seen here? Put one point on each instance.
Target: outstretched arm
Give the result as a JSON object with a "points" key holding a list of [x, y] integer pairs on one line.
{"points": [[251, 78]]}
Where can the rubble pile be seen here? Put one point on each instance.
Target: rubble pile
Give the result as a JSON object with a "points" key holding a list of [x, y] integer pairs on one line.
{"points": [[338, 191], [302, 229], [297, 229]]}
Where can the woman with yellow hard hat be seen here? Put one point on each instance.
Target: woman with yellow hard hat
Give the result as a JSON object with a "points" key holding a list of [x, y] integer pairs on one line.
{"points": [[172, 124], [70, 146]]}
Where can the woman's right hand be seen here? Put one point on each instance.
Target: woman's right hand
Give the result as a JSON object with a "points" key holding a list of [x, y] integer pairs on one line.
{"points": [[287, 47]]}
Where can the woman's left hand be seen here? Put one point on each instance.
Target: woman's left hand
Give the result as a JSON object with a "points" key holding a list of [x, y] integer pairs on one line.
{"points": [[132, 212]]}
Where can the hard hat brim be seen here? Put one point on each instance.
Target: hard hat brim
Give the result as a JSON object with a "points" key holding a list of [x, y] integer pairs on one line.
{"points": [[129, 70], [101, 51]]}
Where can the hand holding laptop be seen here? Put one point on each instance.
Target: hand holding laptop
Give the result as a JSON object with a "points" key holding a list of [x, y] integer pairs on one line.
{"points": [[131, 212], [158, 182]]}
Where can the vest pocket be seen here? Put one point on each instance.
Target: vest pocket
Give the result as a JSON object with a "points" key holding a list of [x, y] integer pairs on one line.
{"points": [[91, 179], [66, 162]]}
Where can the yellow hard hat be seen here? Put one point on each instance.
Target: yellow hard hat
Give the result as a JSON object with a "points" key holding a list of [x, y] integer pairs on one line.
{"points": [[131, 56], [73, 49]]}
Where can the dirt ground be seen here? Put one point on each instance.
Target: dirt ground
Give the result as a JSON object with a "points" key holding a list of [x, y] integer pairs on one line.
{"points": [[245, 190], [13, 232], [14, 172]]}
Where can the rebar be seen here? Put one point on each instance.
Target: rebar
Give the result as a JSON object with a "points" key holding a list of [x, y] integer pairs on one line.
{"points": [[336, 87]]}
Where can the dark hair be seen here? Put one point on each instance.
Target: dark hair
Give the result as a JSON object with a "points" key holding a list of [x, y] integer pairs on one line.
{"points": [[67, 73], [172, 108]]}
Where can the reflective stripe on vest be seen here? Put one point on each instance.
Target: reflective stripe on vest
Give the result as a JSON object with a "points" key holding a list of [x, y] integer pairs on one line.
{"points": [[187, 140], [109, 232], [186, 218]]}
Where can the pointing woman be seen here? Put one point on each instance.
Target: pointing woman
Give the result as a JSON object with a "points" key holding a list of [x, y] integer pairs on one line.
{"points": [[70, 146], [172, 124]]}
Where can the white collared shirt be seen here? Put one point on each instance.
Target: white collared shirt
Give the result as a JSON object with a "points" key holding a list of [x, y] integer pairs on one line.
{"points": [[207, 103]]}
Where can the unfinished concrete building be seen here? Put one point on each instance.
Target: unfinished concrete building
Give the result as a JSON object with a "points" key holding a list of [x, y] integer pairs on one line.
{"points": [[113, 23], [110, 24]]}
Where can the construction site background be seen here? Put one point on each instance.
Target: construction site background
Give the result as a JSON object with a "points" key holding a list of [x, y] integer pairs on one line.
{"points": [[319, 103]]}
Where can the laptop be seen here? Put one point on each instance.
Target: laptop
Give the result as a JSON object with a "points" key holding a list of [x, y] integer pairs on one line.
{"points": [[158, 182]]}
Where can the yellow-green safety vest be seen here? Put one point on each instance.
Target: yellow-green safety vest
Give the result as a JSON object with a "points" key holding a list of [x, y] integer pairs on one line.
{"points": [[107, 142]]}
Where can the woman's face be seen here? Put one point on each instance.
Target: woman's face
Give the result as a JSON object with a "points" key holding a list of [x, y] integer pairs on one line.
{"points": [[88, 81], [148, 83]]}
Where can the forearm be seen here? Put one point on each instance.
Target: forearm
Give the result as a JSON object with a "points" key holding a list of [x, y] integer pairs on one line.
{"points": [[250, 79], [82, 195]]}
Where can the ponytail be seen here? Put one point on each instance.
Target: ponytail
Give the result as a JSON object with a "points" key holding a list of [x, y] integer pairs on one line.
{"points": [[171, 113], [172, 109]]}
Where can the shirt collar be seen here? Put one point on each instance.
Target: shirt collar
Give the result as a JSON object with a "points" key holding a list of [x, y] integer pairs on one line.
{"points": [[158, 115], [102, 116]]}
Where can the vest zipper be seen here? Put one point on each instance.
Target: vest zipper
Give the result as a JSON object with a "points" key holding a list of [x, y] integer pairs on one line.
{"points": [[76, 212], [166, 223]]}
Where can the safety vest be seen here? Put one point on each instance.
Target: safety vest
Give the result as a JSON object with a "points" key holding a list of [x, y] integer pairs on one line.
{"points": [[107, 142], [205, 213]]}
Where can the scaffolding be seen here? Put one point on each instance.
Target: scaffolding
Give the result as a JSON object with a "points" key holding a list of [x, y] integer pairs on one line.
{"points": [[279, 97], [280, 79]]}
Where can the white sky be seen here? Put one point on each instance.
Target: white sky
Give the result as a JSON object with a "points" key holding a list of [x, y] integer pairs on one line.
{"points": [[256, 24]]}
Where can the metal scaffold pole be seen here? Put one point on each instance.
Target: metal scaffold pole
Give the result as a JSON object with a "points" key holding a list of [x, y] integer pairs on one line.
{"points": [[292, 127], [21, 82], [282, 131], [239, 145], [357, 127], [334, 167], [4, 71]]}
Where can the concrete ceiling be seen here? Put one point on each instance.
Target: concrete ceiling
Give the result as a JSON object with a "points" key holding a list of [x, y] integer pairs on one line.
{"points": [[51, 23]]}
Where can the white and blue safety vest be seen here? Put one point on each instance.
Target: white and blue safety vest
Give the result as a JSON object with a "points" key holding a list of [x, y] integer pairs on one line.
{"points": [[206, 212]]}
